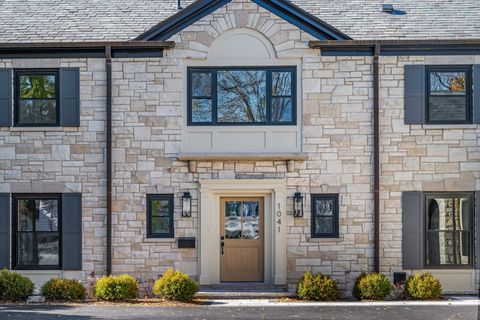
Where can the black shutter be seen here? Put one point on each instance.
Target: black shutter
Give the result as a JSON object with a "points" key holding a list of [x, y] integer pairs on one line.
{"points": [[476, 93], [70, 97], [415, 94], [413, 230], [72, 231], [6, 88], [4, 230], [477, 229]]}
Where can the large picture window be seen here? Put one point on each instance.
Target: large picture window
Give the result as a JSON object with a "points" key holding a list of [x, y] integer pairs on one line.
{"points": [[242, 96], [449, 94], [160, 216], [325, 216], [449, 235], [37, 234], [36, 98]]}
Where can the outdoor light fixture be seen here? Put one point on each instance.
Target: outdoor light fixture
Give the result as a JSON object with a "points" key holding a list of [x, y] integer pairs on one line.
{"points": [[298, 205], [186, 204]]}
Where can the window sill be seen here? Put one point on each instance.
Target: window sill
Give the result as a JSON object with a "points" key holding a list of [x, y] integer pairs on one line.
{"points": [[326, 239], [43, 129], [294, 156], [39, 272], [450, 126], [159, 240]]}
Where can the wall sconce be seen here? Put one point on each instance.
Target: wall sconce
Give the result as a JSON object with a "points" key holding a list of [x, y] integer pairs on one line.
{"points": [[298, 205], [186, 204]]}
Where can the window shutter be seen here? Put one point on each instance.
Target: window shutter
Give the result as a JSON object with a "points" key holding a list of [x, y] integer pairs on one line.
{"points": [[4, 230], [72, 231], [415, 94], [6, 88], [477, 229], [476, 93], [70, 97], [413, 230]]}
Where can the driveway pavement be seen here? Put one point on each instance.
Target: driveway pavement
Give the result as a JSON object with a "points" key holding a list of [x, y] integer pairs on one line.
{"points": [[219, 311]]}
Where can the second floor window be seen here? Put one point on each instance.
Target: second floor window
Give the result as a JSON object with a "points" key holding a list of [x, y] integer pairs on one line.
{"points": [[242, 96], [449, 94], [36, 98]]}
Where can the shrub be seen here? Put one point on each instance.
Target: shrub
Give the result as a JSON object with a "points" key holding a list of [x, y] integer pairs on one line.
{"points": [[372, 286], [356, 288], [14, 287], [423, 287], [175, 285], [317, 287], [115, 288], [63, 290]]}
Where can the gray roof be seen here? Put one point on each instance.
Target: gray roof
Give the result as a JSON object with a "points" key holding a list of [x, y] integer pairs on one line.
{"points": [[99, 20]]}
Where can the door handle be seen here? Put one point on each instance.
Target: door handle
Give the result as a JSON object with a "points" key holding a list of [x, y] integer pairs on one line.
{"points": [[222, 244]]}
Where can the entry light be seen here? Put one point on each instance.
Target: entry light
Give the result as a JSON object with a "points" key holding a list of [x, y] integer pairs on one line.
{"points": [[186, 204], [298, 205]]}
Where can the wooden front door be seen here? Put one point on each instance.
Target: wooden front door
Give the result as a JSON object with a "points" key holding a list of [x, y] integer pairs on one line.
{"points": [[241, 239]]}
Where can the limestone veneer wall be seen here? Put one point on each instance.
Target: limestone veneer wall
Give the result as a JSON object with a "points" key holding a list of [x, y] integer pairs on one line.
{"points": [[61, 159], [149, 104]]}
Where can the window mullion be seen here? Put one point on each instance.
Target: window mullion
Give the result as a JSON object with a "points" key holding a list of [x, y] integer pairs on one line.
{"points": [[268, 103], [214, 97]]}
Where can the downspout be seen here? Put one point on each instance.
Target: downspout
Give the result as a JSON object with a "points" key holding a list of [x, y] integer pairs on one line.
{"points": [[376, 157], [108, 67]]}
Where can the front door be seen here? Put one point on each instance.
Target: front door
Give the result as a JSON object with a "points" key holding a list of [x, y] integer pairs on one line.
{"points": [[241, 239]]}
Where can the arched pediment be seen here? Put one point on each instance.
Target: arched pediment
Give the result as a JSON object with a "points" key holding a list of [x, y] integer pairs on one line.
{"points": [[241, 44]]}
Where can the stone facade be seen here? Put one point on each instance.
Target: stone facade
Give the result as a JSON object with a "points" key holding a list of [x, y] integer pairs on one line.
{"points": [[56, 160], [337, 135]]}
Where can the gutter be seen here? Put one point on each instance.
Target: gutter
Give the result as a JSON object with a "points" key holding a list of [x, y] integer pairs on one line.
{"points": [[108, 70], [376, 158], [397, 47], [118, 49]]}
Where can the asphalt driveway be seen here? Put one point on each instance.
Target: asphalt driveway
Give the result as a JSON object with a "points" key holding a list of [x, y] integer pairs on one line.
{"points": [[277, 312]]}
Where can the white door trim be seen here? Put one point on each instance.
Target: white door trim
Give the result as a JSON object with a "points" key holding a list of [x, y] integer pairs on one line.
{"points": [[274, 192]]}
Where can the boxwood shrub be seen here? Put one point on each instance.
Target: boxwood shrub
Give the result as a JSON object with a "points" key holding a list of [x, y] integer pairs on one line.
{"points": [[116, 288], [319, 287], [371, 286], [423, 287], [176, 286], [14, 287], [63, 290]]}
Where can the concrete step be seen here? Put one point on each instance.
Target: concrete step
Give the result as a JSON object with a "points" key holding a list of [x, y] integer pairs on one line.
{"points": [[243, 292]]}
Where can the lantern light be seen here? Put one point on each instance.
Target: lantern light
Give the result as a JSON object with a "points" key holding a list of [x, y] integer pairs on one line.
{"points": [[186, 204], [298, 205]]}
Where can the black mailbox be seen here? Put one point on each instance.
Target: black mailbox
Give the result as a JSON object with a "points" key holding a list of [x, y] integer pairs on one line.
{"points": [[186, 243]]}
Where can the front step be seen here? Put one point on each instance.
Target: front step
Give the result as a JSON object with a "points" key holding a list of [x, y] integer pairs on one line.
{"points": [[243, 291]]}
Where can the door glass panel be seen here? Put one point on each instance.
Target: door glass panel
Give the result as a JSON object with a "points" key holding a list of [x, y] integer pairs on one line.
{"points": [[233, 223], [242, 220], [250, 225]]}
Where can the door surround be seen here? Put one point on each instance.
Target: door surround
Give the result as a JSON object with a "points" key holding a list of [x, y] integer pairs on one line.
{"points": [[274, 193]]}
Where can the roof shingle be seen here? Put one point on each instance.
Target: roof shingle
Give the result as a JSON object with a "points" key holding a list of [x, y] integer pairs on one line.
{"points": [[117, 20]]}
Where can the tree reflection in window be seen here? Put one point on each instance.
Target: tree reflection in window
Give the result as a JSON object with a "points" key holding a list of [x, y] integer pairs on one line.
{"points": [[242, 96], [448, 95], [448, 230], [36, 98]]}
